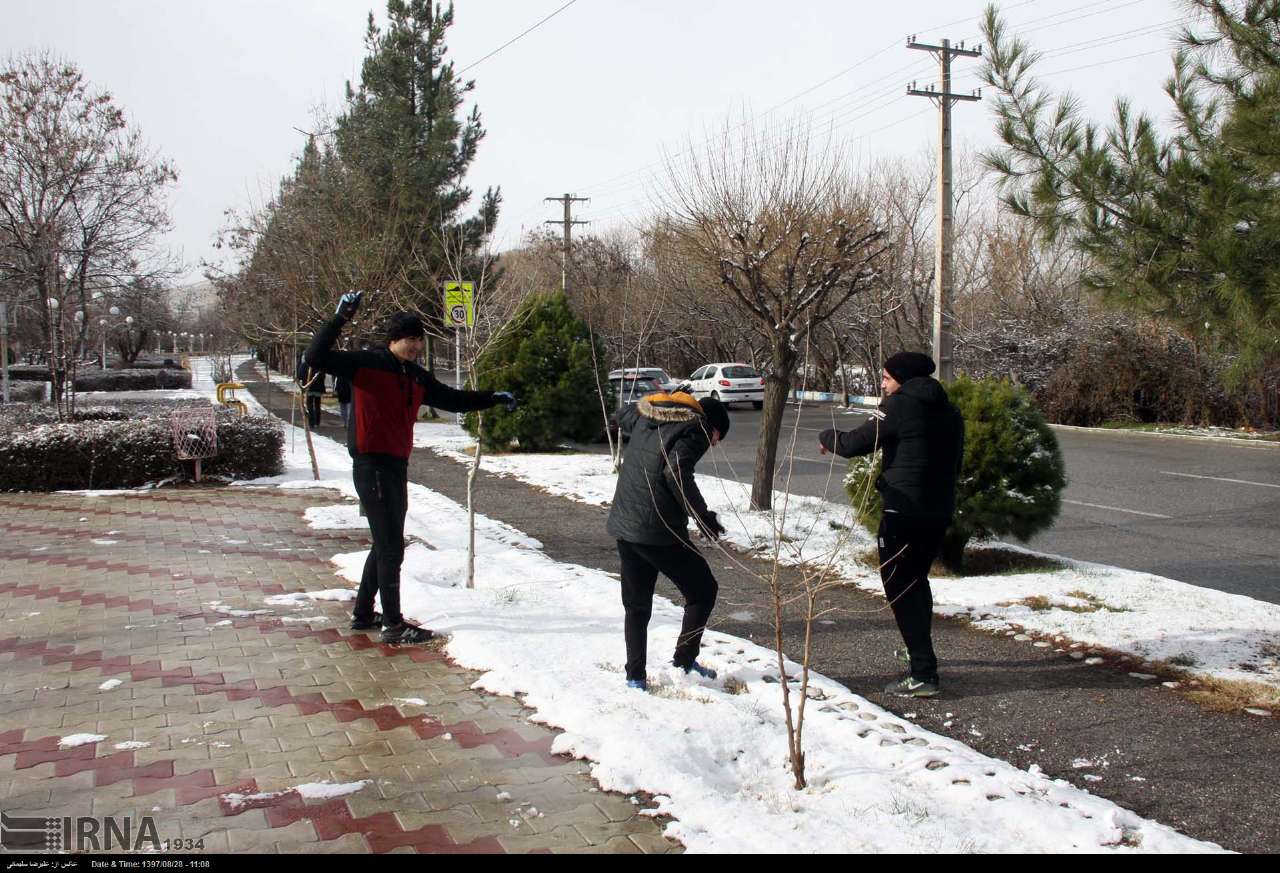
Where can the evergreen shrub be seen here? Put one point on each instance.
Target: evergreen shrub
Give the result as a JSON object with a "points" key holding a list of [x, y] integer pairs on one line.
{"points": [[543, 356], [1012, 479]]}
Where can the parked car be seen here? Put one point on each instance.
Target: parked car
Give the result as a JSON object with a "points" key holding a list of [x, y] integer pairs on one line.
{"points": [[729, 383], [629, 389], [657, 374]]}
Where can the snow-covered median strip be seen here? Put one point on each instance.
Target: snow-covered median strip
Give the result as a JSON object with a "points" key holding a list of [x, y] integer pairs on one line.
{"points": [[1226, 636], [714, 754]]}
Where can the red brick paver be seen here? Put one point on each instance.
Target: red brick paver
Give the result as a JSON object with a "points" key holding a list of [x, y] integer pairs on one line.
{"points": [[226, 708]]}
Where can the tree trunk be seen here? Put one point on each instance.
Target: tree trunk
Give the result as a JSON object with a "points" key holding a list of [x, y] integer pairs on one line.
{"points": [[776, 386]]}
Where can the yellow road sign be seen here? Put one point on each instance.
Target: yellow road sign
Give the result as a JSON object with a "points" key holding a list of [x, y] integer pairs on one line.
{"points": [[459, 307]]}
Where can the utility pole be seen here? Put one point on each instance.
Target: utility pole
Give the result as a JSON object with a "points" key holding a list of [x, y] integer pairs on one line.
{"points": [[568, 200], [942, 317]]}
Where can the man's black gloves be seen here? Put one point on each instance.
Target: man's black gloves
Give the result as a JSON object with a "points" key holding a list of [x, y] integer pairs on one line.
{"points": [[348, 304], [507, 399], [710, 525]]}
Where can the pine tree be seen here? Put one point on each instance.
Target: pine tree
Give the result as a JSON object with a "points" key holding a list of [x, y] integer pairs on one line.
{"points": [[403, 132], [1182, 226]]}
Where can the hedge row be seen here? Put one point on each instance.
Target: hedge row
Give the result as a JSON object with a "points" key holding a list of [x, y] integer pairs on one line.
{"points": [[25, 392], [95, 379], [131, 453], [132, 380], [27, 415]]}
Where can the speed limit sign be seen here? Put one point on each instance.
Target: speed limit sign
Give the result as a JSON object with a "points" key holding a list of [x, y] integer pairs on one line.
{"points": [[458, 304]]}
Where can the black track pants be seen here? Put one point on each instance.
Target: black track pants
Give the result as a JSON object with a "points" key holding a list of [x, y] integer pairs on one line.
{"points": [[383, 486], [907, 549], [684, 566], [313, 411]]}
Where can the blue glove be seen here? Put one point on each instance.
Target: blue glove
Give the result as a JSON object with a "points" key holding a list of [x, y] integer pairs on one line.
{"points": [[507, 399], [348, 304]]}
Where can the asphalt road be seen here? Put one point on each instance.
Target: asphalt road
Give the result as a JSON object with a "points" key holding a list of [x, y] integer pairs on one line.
{"points": [[1202, 512]]}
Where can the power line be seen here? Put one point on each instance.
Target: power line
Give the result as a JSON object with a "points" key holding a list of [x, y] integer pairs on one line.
{"points": [[519, 36]]}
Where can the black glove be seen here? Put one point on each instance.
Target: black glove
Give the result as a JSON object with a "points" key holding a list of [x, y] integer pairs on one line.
{"points": [[348, 304], [711, 526], [507, 399]]}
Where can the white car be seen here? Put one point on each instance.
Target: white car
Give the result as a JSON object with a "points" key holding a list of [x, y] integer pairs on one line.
{"points": [[729, 383], [657, 374]]}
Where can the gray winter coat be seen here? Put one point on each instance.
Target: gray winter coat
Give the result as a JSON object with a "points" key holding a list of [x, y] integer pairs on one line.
{"points": [[656, 493]]}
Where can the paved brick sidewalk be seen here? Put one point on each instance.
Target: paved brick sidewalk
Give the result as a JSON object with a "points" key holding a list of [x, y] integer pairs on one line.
{"points": [[163, 593]]}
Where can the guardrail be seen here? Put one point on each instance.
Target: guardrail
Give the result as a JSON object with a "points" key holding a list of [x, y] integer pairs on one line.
{"points": [[830, 397]]}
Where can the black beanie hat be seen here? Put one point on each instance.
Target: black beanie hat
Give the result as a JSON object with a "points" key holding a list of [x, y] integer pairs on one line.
{"points": [[404, 324], [717, 415], [909, 365]]}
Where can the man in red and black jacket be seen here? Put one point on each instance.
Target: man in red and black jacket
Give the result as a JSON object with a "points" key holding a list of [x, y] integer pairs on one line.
{"points": [[387, 388]]}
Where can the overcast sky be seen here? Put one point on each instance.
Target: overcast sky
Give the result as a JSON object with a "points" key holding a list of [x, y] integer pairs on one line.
{"points": [[587, 102]]}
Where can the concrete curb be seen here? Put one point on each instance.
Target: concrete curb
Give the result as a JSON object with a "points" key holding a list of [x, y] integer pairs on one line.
{"points": [[1217, 440]]}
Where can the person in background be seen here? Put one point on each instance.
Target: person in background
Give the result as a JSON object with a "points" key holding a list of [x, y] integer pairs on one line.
{"points": [[311, 383]]}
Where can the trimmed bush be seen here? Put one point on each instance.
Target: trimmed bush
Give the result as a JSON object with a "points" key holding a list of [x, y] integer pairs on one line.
{"points": [[93, 378], [28, 373], [1013, 475], [130, 453], [543, 357], [25, 392], [132, 380]]}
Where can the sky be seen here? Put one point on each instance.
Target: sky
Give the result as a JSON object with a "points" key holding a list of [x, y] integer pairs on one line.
{"points": [[589, 102]]}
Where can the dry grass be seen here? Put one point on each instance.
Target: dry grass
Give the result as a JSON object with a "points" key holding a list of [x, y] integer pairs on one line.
{"points": [[1228, 695]]}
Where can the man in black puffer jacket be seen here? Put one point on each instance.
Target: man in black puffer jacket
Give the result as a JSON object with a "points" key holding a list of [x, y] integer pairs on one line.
{"points": [[655, 496], [922, 435]]}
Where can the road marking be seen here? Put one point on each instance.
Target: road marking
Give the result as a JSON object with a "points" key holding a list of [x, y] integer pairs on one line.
{"points": [[1219, 479], [1116, 509]]}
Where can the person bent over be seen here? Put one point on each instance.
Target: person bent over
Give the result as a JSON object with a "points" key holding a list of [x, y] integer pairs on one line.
{"points": [[922, 436], [652, 503], [387, 388]]}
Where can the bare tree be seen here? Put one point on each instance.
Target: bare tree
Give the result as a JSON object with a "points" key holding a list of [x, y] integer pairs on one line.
{"points": [[778, 224], [82, 202]]}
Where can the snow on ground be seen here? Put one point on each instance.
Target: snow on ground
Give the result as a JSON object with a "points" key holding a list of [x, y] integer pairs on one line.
{"points": [[1228, 636], [106, 398], [714, 753], [308, 790], [72, 740], [306, 598]]}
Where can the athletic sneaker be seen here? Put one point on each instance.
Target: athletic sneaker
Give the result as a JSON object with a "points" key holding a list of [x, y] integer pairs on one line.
{"points": [[695, 667], [909, 686], [406, 635], [367, 623], [641, 684], [903, 655]]}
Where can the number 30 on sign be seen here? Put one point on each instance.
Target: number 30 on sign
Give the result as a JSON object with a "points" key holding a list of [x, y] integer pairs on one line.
{"points": [[458, 308]]}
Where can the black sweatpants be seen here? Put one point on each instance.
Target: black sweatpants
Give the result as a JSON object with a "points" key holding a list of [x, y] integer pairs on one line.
{"points": [[383, 486], [684, 566], [313, 410], [908, 547]]}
